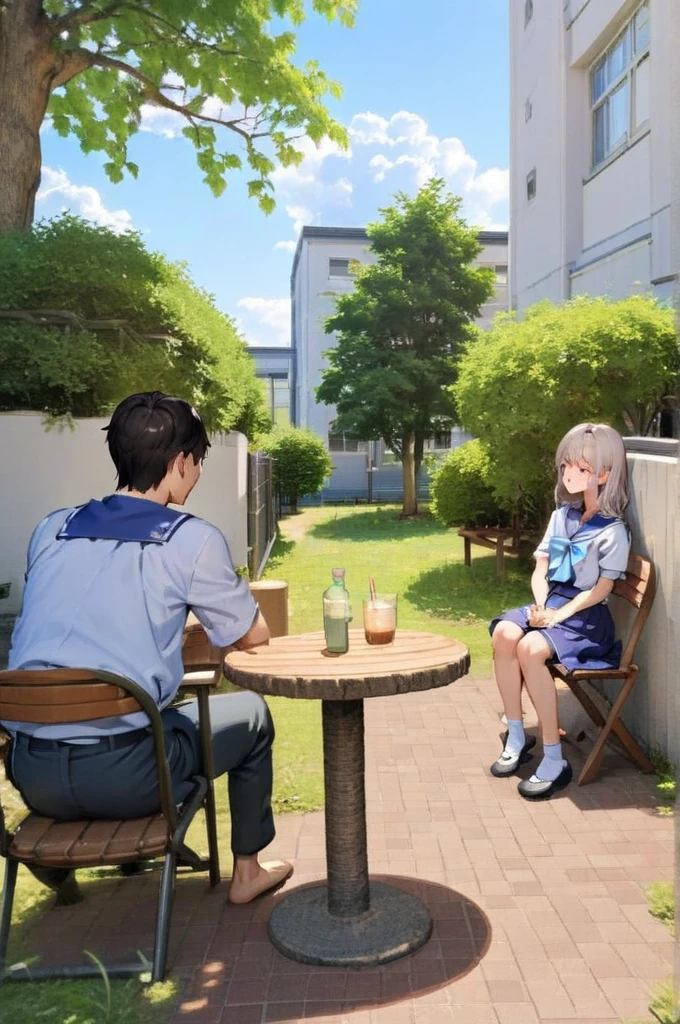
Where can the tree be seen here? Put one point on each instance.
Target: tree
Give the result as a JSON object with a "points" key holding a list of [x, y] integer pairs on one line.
{"points": [[401, 330], [134, 322], [525, 383], [301, 462], [94, 64]]}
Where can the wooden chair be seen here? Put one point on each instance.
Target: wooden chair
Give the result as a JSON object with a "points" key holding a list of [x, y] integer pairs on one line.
{"points": [[63, 695], [638, 589]]}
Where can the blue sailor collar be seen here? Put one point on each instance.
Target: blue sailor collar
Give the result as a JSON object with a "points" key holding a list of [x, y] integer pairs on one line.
{"points": [[564, 553], [122, 517]]}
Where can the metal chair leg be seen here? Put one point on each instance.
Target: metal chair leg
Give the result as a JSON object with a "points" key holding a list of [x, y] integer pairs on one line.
{"points": [[165, 896], [11, 867], [211, 825]]}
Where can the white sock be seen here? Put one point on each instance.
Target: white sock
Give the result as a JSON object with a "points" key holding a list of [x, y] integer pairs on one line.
{"points": [[516, 738], [552, 764]]}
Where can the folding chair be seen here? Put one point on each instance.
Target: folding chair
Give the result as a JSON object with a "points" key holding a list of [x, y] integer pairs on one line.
{"points": [[638, 589], [53, 696]]}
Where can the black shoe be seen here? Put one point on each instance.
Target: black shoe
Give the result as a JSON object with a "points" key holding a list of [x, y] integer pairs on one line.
{"points": [[132, 867], [542, 790], [61, 880], [507, 764]]}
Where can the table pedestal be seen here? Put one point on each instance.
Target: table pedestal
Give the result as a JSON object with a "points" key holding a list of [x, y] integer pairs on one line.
{"points": [[347, 922]]}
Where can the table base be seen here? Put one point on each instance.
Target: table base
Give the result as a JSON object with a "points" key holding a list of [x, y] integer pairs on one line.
{"points": [[396, 924]]}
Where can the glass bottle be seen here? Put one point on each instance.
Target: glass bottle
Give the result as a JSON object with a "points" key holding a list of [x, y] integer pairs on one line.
{"points": [[337, 614]]}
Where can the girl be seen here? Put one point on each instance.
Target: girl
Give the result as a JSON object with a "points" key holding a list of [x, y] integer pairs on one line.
{"points": [[584, 551]]}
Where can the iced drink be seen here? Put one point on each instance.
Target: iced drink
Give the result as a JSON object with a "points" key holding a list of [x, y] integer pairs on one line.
{"points": [[380, 619]]}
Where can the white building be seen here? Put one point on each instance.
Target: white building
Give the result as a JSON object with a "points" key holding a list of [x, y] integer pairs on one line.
{"points": [[595, 154], [322, 270]]}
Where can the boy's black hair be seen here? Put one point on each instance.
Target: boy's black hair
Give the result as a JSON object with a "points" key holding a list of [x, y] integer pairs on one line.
{"points": [[145, 434]]}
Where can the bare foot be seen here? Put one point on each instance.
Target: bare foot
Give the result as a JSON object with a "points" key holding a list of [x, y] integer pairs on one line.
{"points": [[247, 886]]}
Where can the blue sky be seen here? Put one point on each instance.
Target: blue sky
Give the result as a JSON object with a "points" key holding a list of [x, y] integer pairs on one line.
{"points": [[425, 92]]}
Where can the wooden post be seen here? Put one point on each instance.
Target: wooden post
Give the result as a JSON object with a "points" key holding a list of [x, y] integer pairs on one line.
{"points": [[500, 555], [468, 550]]}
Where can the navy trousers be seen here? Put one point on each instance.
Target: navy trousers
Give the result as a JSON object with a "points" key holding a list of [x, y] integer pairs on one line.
{"points": [[70, 781]]}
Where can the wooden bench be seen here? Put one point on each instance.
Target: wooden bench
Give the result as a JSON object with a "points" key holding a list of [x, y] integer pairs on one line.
{"points": [[494, 538], [637, 589]]}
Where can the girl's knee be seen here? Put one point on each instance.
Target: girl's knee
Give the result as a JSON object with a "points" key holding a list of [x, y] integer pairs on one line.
{"points": [[506, 636], [533, 647]]}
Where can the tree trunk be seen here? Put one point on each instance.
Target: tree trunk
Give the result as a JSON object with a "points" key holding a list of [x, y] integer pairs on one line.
{"points": [[27, 67], [408, 465]]}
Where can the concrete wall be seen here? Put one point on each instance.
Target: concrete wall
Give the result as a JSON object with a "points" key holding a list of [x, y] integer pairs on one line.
{"points": [[51, 469], [654, 514], [315, 292], [588, 231]]}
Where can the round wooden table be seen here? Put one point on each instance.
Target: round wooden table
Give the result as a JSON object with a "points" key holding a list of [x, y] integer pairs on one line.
{"points": [[346, 922]]}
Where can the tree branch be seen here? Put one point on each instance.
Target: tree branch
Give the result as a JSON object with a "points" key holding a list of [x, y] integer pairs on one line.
{"points": [[86, 14], [82, 59], [69, 64]]}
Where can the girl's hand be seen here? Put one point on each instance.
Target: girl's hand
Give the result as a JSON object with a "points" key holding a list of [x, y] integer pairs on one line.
{"points": [[542, 618]]}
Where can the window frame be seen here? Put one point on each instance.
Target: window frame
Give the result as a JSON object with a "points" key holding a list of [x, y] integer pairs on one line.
{"points": [[531, 180], [625, 77], [340, 259], [361, 446]]}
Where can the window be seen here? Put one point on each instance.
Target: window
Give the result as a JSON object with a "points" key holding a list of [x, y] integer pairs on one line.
{"points": [[440, 442], [528, 11], [501, 273], [341, 443], [531, 184], [339, 267], [281, 402], [619, 87]]}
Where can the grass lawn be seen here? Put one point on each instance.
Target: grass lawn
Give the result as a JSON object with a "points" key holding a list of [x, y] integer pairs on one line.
{"points": [[420, 561]]}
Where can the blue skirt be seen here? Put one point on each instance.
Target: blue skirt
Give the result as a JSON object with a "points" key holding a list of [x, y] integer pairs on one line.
{"points": [[585, 640]]}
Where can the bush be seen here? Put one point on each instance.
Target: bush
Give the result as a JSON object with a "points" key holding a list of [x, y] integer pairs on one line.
{"points": [[194, 350], [461, 489], [301, 462], [525, 383]]}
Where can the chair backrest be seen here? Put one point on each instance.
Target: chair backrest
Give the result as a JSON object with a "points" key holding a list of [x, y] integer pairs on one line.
{"points": [[638, 589], [60, 696], [69, 695]]}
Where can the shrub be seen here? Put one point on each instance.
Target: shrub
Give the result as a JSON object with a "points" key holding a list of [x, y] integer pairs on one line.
{"points": [[462, 492], [163, 333], [301, 462], [523, 384]]}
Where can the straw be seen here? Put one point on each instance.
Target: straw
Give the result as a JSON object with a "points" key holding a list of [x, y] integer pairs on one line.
{"points": [[371, 587]]}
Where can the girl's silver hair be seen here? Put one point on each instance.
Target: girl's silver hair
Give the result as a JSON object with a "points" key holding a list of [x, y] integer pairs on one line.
{"points": [[602, 448]]}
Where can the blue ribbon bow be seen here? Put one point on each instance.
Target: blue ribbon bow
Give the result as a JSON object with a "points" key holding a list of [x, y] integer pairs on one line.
{"points": [[563, 555]]}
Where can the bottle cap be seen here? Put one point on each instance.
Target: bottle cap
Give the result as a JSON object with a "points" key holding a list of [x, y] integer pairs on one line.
{"points": [[338, 574]]}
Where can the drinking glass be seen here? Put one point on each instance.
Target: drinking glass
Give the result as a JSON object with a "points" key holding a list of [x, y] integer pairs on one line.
{"points": [[380, 619]]}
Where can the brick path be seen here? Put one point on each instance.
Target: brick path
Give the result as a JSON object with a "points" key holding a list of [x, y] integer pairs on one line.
{"points": [[539, 910]]}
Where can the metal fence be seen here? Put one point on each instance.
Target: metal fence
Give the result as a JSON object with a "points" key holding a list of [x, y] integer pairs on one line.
{"points": [[261, 512]]}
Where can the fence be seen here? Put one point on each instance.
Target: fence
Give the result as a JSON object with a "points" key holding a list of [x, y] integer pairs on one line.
{"points": [[261, 512]]}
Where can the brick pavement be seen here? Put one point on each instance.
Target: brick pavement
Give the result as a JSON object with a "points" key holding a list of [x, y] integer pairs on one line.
{"points": [[539, 909]]}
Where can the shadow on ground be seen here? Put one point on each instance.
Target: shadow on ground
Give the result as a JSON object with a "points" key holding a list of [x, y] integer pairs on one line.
{"points": [[375, 525], [458, 591], [281, 548], [224, 957]]}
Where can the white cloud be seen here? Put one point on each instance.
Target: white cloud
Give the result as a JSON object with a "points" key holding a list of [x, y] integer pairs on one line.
{"points": [[308, 189], [288, 245], [405, 142], [266, 321], [83, 199]]}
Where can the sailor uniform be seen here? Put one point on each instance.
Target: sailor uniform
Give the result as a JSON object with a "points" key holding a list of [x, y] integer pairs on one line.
{"points": [[108, 586], [578, 554]]}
